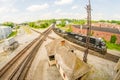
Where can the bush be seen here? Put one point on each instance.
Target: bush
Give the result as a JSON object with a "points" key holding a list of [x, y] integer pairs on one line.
{"points": [[69, 29], [62, 24], [113, 39], [44, 25], [11, 24], [113, 46], [32, 24], [14, 33]]}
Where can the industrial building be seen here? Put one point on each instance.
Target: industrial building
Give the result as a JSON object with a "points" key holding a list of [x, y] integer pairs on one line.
{"points": [[5, 31], [103, 32], [63, 56]]}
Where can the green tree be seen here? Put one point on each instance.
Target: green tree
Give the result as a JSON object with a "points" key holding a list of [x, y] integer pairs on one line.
{"points": [[32, 24], [102, 21], [62, 24], [82, 22], [113, 39], [44, 25], [93, 21], [53, 21], [113, 21], [11, 24]]}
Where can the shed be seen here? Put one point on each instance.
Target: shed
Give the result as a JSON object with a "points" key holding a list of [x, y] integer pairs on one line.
{"points": [[69, 65]]}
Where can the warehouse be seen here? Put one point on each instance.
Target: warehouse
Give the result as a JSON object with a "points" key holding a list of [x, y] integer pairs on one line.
{"points": [[5, 31], [63, 56]]}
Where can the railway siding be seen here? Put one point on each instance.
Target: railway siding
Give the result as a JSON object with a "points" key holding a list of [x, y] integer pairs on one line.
{"points": [[107, 56], [24, 58]]}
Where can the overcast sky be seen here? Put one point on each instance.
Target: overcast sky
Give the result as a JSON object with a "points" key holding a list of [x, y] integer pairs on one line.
{"points": [[30, 10]]}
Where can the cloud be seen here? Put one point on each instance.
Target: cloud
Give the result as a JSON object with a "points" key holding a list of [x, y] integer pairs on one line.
{"points": [[74, 7], [5, 0], [33, 8], [98, 16], [68, 15], [58, 11], [8, 6], [8, 10], [116, 16], [61, 2]]}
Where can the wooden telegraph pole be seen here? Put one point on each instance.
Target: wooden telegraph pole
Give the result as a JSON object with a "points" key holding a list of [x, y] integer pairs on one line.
{"points": [[88, 8]]}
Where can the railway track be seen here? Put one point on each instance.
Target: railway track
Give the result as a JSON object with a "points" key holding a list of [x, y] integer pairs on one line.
{"points": [[107, 56], [42, 33], [17, 68]]}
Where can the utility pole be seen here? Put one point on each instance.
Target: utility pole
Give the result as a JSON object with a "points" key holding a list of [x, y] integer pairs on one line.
{"points": [[88, 8]]}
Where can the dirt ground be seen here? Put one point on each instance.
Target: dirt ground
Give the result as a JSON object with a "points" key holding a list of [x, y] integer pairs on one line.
{"points": [[40, 70], [101, 69]]}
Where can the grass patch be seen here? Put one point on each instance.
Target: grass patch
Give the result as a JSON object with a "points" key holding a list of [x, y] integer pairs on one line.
{"points": [[113, 46], [14, 33], [27, 29], [62, 28], [66, 28]]}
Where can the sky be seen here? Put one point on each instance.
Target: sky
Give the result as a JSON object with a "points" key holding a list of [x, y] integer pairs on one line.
{"points": [[19, 11]]}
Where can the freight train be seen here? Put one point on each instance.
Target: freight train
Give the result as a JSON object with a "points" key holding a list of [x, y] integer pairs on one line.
{"points": [[96, 44]]}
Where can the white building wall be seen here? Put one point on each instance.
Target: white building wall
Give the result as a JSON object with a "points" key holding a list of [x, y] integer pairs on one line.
{"points": [[5, 31], [62, 72], [59, 65], [58, 22]]}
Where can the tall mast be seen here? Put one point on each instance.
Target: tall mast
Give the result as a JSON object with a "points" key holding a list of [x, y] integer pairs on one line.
{"points": [[88, 8]]}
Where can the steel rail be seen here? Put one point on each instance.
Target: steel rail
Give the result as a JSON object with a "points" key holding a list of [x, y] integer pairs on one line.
{"points": [[14, 68]]}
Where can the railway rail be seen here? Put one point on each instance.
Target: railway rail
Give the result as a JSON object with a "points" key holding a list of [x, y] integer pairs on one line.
{"points": [[17, 68], [107, 56], [42, 33]]}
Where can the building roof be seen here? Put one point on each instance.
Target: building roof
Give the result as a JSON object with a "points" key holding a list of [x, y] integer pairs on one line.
{"points": [[104, 29], [50, 47], [5, 27], [70, 63]]}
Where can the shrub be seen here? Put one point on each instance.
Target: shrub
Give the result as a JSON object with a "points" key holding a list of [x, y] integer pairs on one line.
{"points": [[44, 25], [69, 29], [113, 39], [32, 24], [11, 24]]}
